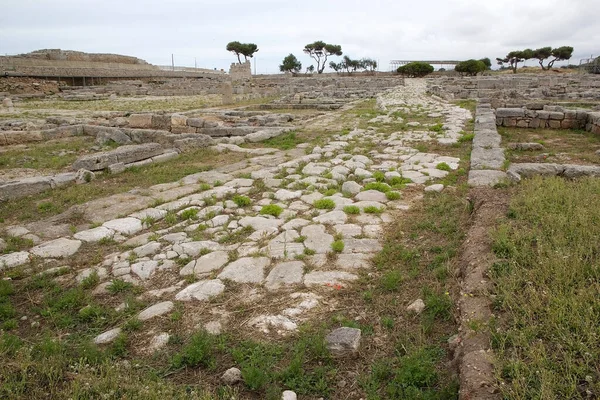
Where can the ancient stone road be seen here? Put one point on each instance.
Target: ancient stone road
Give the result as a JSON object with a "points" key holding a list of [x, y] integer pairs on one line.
{"points": [[288, 254]]}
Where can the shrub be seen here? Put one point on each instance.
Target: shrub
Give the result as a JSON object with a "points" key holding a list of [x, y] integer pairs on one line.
{"points": [[271, 209], [415, 69], [470, 67], [324, 204]]}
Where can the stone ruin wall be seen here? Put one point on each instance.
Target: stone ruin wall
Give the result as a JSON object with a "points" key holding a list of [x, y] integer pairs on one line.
{"points": [[499, 90], [550, 117], [240, 71]]}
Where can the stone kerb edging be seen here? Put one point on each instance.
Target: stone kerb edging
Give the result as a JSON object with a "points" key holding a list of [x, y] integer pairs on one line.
{"points": [[487, 157], [571, 171]]}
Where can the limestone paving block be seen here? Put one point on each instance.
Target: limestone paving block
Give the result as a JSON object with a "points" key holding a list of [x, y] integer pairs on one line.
{"points": [[332, 218], [201, 291], [14, 259], [285, 274], [193, 249], [156, 310], [57, 248], [125, 226], [108, 336], [317, 239], [94, 234], [328, 278], [246, 270], [144, 269], [211, 262]]}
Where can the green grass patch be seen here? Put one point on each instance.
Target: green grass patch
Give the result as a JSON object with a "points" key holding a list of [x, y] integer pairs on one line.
{"points": [[286, 141], [379, 186], [373, 210], [241, 201], [352, 210], [271, 209], [393, 195], [547, 290], [443, 167], [337, 246], [324, 204]]}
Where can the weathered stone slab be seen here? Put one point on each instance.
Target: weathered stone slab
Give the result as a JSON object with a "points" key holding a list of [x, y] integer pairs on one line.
{"points": [[285, 274], [202, 290], [486, 177], [156, 310], [125, 154], [317, 239], [24, 187], [126, 226], [95, 234], [246, 270], [343, 341], [57, 248], [13, 259]]}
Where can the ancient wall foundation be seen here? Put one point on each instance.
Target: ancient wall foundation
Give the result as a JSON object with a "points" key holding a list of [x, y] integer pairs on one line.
{"points": [[553, 117], [517, 87]]}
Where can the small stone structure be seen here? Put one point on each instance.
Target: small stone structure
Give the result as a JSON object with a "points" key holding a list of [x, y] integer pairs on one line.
{"points": [[240, 71]]}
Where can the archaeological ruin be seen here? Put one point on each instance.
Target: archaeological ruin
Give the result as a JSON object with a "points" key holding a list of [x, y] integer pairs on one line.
{"points": [[278, 234]]}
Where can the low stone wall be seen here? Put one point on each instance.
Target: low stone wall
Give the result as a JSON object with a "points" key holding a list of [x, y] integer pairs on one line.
{"points": [[520, 86], [553, 117]]}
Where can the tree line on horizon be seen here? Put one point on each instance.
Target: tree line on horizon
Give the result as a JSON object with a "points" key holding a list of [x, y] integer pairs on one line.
{"points": [[320, 51]]}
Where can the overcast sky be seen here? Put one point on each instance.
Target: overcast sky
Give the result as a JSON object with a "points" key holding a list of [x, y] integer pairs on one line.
{"points": [[380, 29]]}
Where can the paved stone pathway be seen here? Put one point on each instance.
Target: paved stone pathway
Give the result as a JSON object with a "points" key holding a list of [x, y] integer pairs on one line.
{"points": [[313, 241]]}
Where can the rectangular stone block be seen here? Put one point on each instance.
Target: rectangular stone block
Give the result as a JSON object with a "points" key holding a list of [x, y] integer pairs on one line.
{"points": [[554, 124], [559, 116], [142, 121], [569, 124], [178, 120], [543, 114], [510, 112], [570, 114], [161, 122], [195, 122], [522, 123], [24, 187], [18, 137], [183, 129]]}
